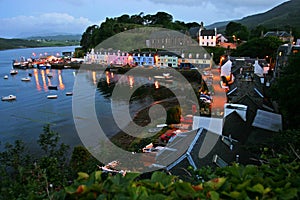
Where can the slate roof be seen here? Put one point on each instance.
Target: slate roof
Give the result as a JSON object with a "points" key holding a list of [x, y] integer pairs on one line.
{"points": [[278, 34], [201, 147], [210, 32]]}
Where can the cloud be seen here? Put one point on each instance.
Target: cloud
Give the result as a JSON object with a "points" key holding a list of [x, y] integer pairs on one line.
{"points": [[52, 22]]}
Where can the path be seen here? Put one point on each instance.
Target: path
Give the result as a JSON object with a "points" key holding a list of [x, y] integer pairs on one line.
{"points": [[218, 93]]}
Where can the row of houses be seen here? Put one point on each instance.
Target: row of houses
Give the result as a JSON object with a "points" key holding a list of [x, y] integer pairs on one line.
{"points": [[158, 59]]}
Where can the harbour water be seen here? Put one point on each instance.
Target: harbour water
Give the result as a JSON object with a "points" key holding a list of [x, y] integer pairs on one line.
{"points": [[24, 118]]}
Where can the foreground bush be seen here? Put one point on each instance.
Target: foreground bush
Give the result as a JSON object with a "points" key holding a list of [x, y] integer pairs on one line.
{"points": [[272, 181]]}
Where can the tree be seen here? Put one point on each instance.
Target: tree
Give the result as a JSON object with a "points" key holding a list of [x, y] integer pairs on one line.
{"points": [[258, 31], [124, 19], [285, 90], [86, 38], [173, 115], [236, 32], [259, 47], [162, 18]]}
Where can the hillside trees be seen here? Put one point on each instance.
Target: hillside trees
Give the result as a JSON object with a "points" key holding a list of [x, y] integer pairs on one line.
{"points": [[236, 32], [286, 89], [96, 34], [259, 48]]}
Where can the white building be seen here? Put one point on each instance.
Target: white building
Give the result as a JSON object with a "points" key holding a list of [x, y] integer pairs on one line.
{"points": [[207, 38]]}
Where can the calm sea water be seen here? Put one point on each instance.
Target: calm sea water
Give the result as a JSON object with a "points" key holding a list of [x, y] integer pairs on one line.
{"points": [[24, 118]]}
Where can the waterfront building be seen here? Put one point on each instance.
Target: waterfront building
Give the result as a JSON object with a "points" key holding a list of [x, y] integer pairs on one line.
{"points": [[201, 60], [143, 59], [167, 61]]}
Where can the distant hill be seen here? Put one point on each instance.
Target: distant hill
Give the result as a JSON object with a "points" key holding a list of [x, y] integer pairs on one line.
{"points": [[17, 43], [283, 16], [25, 43], [60, 37]]}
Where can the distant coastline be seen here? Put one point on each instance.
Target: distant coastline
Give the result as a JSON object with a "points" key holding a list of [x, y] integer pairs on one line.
{"points": [[6, 44]]}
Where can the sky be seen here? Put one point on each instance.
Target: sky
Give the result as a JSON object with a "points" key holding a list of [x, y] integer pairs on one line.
{"points": [[23, 18]]}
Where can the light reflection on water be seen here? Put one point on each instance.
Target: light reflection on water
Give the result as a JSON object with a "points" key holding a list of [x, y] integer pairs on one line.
{"points": [[24, 118]]}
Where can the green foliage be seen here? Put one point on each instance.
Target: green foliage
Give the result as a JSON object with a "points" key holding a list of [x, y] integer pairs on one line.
{"points": [[259, 47], [258, 31], [173, 115], [217, 53], [277, 18], [26, 43], [285, 90], [278, 180], [24, 177], [236, 32], [82, 160], [95, 34]]}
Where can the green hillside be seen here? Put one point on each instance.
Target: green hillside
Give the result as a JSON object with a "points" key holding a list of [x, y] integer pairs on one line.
{"points": [[60, 37], [24, 43], [283, 16], [17, 43]]}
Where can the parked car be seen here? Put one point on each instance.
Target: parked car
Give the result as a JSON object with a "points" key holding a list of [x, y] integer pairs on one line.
{"points": [[167, 135]]}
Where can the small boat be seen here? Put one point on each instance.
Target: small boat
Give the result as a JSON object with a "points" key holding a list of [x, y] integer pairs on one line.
{"points": [[44, 66], [9, 98], [30, 74], [26, 79], [69, 93], [13, 72], [5, 77], [50, 75], [52, 96], [52, 87]]}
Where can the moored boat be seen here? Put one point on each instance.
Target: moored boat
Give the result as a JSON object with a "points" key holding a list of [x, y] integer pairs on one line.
{"points": [[9, 98], [44, 66], [26, 79], [13, 71], [5, 77], [52, 96], [52, 87], [50, 75], [69, 93]]}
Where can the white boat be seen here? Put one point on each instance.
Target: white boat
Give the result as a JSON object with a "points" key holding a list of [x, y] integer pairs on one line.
{"points": [[9, 98], [5, 77], [69, 93], [13, 71], [50, 75], [26, 79], [52, 96]]}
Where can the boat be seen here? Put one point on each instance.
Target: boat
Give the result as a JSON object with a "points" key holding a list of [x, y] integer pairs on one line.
{"points": [[13, 71], [9, 98], [52, 96], [52, 87], [69, 93], [50, 75], [44, 66], [26, 79], [5, 77]]}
